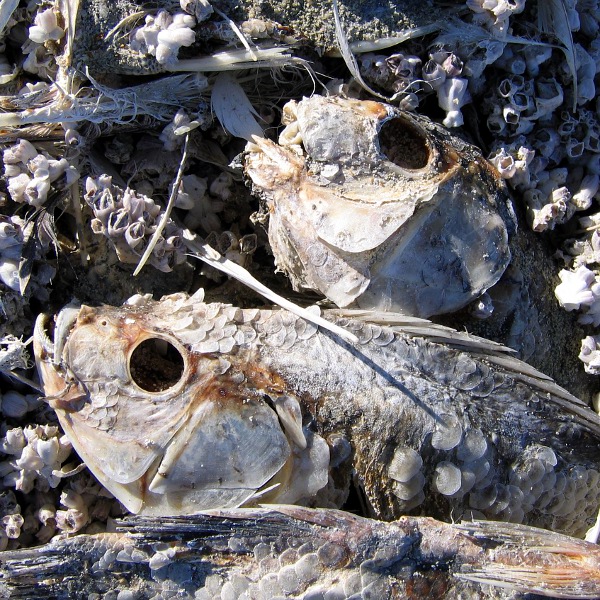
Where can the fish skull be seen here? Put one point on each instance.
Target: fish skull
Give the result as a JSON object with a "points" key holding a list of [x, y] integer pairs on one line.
{"points": [[161, 427], [378, 208]]}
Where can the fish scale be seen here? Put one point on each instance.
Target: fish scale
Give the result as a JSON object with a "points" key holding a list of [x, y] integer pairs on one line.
{"points": [[439, 423]]}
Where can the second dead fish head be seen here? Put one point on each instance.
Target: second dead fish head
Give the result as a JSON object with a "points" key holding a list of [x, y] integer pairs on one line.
{"points": [[382, 209]]}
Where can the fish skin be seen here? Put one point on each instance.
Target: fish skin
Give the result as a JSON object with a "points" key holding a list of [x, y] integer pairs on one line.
{"points": [[296, 552], [424, 419]]}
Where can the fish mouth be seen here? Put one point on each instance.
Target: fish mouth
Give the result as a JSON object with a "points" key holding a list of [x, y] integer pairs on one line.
{"points": [[49, 339]]}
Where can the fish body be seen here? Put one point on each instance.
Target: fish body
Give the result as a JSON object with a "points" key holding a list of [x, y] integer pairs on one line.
{"points": [[179, 406], [381, 209], [296, 552]]}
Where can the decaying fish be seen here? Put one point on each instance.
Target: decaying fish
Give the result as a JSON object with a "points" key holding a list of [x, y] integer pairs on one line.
{"points": [[379, 208], [294, 552], [179, 406]]}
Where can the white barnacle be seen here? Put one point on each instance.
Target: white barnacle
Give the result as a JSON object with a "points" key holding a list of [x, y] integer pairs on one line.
{"points": [[12, 525], [221, 187], [169, 42], [9, 273], [545, 211], [535, 55], [200, 9], [22, 152], [13, 442], [452, 96], [45, 27], [549, 96], [434, 74], [591, 316], [504, 162], [170, 136], [590, 354], [575, 289], [162, 36], [76, 516]]}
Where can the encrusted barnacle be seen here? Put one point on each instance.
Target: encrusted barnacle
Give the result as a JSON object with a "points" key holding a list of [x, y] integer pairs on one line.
{"points": [[162, 36], [375, 207], [30, 174], [45, 27], [128, 220]]}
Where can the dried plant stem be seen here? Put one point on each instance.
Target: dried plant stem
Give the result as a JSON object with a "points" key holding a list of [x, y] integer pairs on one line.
{"points": [[201, 250], [235, 60], [168, 209]]}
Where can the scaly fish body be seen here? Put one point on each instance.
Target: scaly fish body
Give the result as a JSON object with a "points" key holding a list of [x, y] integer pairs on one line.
{"points": [[179, 406], [294, 552]]}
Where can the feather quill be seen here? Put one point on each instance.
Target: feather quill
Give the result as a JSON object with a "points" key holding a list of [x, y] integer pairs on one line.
{"points": [[347, 55]]}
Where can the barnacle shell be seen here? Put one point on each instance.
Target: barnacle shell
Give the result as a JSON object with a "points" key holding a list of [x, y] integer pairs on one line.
{"points": [[381, 208]]}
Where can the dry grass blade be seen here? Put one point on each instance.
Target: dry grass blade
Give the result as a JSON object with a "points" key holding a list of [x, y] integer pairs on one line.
{"points": [[553, 19], [347, 55], [7, 8], [165, 218]]}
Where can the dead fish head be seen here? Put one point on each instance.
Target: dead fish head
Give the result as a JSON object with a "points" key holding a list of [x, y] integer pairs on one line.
{"points": [[167, 430], [378, 208]]}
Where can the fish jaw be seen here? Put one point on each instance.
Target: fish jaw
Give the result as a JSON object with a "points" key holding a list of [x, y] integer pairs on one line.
{"points": [[61, 390]]}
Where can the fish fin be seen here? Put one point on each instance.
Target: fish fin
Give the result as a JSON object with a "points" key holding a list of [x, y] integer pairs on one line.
{"points": [[533, 560], [422, 327], [491, 352]]}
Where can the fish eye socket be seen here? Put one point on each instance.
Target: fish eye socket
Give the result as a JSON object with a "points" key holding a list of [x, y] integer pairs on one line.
{"points": [[404, 144], [156, 365]]}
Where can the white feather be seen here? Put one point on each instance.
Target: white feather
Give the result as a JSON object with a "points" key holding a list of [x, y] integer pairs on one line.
{"points": [[233, 109]]}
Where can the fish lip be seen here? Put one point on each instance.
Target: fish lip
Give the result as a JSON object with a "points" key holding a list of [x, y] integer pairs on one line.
{"points": [[48, 348], [65, 321]]}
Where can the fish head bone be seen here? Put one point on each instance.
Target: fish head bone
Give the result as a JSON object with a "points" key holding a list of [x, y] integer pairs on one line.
{"points": [[165, 429], [378, 208]]}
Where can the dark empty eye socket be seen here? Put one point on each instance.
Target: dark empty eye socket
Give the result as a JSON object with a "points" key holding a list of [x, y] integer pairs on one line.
{"points": [[156, 365], [403, 144]]}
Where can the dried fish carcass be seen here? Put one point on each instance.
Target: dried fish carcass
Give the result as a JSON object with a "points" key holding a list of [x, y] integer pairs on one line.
{"points": [[379, 208], [179, 406], [294, 552]]}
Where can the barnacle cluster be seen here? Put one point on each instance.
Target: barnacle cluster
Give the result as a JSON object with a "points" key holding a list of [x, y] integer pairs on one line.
{"points": [[443, 73], [162, 35], [31, 174], [128, 220], [41, 47], [532, 73]]}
